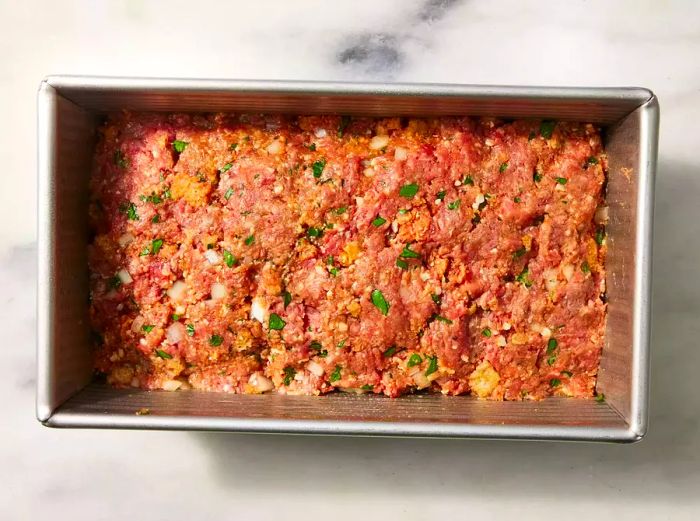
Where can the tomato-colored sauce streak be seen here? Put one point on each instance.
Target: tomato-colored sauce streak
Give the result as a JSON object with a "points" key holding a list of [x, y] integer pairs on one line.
{"points": [[248, 253]]}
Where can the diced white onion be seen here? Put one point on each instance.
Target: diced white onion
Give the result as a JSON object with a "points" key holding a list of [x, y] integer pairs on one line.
{"points": [[400, 154], [177, 290], [175, 332], [124, 277], [378, 142], [320, 132], [213, 257], [550, 279], [546, 332], [260, 383], [126, 239], [420, 380], [275, 147], [258, 309], [315, 368], [137, 324], [601, 215], [171, 385], [218, 291], [479, 199], [568, 271]]}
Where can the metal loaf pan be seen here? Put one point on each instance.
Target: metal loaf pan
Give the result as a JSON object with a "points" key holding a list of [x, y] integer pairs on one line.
{"points": [[71, 108]]}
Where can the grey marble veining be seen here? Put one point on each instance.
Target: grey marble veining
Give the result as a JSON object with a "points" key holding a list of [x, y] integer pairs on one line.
{"points": [[97, 475]]}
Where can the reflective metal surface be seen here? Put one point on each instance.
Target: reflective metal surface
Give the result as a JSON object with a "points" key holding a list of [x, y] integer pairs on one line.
{"points": [[70, 108]]}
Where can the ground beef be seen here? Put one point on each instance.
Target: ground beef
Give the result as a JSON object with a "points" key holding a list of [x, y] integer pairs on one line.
{"points": [[298, 255]]}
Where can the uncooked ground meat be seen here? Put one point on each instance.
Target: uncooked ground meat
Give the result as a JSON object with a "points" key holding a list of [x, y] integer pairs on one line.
{"points": [[265, 253]]}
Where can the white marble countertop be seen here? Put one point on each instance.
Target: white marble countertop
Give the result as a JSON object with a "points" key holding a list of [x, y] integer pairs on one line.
{"points": [[148, 475]]}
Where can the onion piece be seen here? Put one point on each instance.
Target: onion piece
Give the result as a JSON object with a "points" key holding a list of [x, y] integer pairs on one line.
{"points": [[175, 332], [126, 239], [258, 309], [315, 368], [420, 380], [177, 290], [171, 385], [260, 382], [124, 277], [137, 324], [320, 132], [378, 142], [602, 214], [400, 154], [218, 291], [275, 147], [568, 271], [213, 257]]}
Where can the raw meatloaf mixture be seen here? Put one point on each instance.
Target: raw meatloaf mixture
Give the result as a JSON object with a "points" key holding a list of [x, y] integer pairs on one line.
{"points": [[298, 255]]}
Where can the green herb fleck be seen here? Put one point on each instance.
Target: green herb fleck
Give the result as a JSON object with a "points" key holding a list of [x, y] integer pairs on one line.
{"points": [[289, 374], [503, 167], [341, 210], [551, 359], [175, 317], [380, 302], [114, 282], [228, 194], [226, 167], [517, 200], [229, 259], [524, 278], [454, 204], [546, 129], [335, 375], [407, 253], [585, 267], [344, 122], [409, 191], [552, 345], [312, 147], [519, 252], [468, 181], [600, 398], [249, 240], [162, 354], [286, 298], [403, 211], [440, 318], [555, 382], [179, 146], [190, 329], [233, 146], [600, 236], [390, 352], [367, 387], [441, 195], [120, 159], [592, 160], [402, 264], [432, 365], [147, 328], [276, 323], [414, 360], [486, 332], [333, 272], [318, 167], [378, 221], [561, 180], [536, 177], [567, 373], [130, 210], [155, 219], [216, 340], [314, 233], [156, 245], [436, 298], [341, 344]]}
